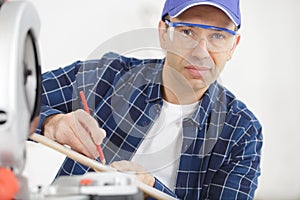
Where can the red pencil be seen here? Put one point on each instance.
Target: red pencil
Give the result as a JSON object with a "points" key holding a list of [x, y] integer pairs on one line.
{"points": [[86, 108]]}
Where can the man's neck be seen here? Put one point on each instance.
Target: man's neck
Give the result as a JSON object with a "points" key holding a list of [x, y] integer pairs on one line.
{"points": [[181, 97], [177, 90]]}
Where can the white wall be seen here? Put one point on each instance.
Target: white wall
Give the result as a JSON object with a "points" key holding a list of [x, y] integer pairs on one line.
{"points": [[263, 72]]}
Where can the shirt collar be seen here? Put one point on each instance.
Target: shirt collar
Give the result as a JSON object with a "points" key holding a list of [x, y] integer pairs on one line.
{"points": [[155, 86], [211, 99]]}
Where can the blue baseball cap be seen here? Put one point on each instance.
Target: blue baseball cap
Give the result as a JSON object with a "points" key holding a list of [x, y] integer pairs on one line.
{"points": [[231, 8]]}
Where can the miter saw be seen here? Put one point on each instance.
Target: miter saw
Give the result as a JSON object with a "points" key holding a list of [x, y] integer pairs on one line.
{"points": [[20, 87]]}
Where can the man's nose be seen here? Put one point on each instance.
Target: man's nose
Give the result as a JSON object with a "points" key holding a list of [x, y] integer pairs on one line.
{"points": [[201, 49]]}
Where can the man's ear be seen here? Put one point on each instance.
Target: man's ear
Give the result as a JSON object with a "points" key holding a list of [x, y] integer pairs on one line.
{"points": [[236, 42], [163, 34]]}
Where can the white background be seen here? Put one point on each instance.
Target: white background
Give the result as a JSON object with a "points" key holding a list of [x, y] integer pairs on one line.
{"points": [[263, 73]]}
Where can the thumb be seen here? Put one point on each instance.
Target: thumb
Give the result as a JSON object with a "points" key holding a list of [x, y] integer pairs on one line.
{"points": [[98, 136]]}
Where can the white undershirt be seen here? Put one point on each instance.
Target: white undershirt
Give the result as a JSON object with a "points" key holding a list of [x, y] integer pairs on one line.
{"points": [[160, 151]]}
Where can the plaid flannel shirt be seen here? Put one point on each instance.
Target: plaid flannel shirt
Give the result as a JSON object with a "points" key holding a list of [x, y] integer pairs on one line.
{"points": [[222, 141]]}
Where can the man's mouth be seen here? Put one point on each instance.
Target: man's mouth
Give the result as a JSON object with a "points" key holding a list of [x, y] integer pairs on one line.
{"points": [[197, 70]]}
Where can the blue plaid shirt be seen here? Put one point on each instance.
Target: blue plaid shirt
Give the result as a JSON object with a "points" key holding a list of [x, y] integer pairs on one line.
{"points": [[222, 141]]}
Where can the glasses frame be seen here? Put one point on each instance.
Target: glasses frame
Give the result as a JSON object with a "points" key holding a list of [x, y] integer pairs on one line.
{"points": [[179, 24]]}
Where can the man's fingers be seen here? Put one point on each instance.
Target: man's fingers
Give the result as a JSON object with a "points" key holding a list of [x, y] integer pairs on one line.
{"points": [[141, 174], [125, 165], [122, 165], [66, 129], [91, 125], [98, 136], [80, 131], [78, 146], [77, 129]]}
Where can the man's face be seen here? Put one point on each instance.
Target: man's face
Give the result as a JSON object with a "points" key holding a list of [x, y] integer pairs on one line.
{"points": [[202, 64]]}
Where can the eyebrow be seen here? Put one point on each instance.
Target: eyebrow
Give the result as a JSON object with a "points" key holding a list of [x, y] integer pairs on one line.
{"points": [[178, 24]]}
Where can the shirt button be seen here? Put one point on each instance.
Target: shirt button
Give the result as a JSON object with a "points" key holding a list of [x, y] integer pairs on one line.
{"points": [[157, 108]]}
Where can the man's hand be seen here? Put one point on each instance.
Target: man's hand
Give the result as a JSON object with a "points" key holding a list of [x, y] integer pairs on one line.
{"points": [[141, 173], [77, 129]]}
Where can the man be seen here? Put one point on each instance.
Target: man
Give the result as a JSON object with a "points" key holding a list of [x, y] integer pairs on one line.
{"points": [[169, 120]]}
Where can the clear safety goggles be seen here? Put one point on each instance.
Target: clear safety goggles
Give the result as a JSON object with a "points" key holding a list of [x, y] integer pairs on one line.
{"points": [[189, 35]]}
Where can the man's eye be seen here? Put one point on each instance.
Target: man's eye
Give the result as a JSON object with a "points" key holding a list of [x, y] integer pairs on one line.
{"points": [[218, 36], [187, 32]]}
